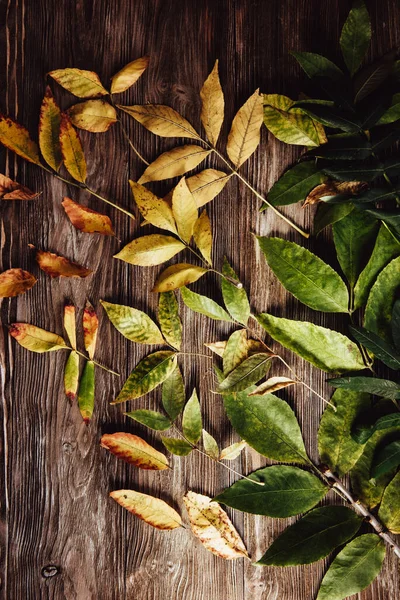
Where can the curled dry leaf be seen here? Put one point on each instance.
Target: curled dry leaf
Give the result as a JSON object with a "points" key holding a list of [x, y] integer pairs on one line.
{"points": [[161, 120], [175, 162], [244, 135], [87, 220], [49, 131], [232, 451], [152, 510], [11, 190], [72, 151], [155, 210], [206, 185], [203, 236], [329, 189], [150, 250], [177, 276], [36, 339], [16, 138], [273, 384], [213, 527], [14, 282], [96, 116], [129, 74], [134, 450], [90, 323], [59, 266], [81, 83], [213, 105], [69, 323], [184, 209]]}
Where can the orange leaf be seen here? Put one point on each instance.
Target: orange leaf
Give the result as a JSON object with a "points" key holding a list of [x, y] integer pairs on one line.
{"points": [[49, 131], [11, 190], [16, 138], [90, 327], [134, 450], [14, 282], [152, 510], [59, 266], [87, 220]]}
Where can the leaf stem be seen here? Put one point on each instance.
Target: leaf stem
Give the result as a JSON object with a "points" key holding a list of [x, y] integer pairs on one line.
{"points": [[96, 363], [195, 354], [125, 133]]}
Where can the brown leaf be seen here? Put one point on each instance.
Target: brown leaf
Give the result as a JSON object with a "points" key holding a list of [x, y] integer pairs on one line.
{"points": [[244, 135], [87, 220], [14, 282], [11, 190], [59, 266], [16, 138], [334, 188], [161, 120], [49, 131], [175, 162], [72, 151], [134, 450], [213, 105], [96, 116], [90, 327], [152, 510], [129, 74]]}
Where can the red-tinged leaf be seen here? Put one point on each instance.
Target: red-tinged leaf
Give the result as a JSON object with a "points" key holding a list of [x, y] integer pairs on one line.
{"points": [[49, 131], [14, 282], [36, 339], [87, 220], [72, 151], [59, 266], [16, 138], [11, 190], [134, 450], [90, 327]]}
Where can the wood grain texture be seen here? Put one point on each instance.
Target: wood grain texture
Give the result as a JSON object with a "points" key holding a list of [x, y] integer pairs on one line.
{"points": [[62, 535]]}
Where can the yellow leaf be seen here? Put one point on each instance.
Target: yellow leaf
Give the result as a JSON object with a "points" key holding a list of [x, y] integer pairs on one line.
{"points": [[90, 326], [96, 116], [83, 84], [85, 219], [155, 210], [59, 266], [177, 276], [273, 384], [244, 135], [174, 163], [134, 450], [232, 451], [14, 282], [213, 104], [206, 185], [36, 339], [16, 138], [212, 526], [150, 250], [161, 120], [217, 347], [72, 151], [152, 510], [203, 236], [11, 190], [184, 209], [49, 131], [69, 323], [129, 74]]}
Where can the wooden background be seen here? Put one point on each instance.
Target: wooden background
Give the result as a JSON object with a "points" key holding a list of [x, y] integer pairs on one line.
{"points": [[63, 537]]}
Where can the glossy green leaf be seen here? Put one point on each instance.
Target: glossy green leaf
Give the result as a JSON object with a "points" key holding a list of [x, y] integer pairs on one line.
{"points": [[287, 491], [389, 510], [326, 349], [330, 116], [396, 324], [133, 324], [148, 374], [177, 446], [203, 305], [328, 214], [384, 136], [378, 313], [386, 459], [236, 351], [315, 536], [191, 419], [392, 114], [362, 435], [355, 36], [268, 425], [294, 185], [293, 127], [304, 275], [235, 297], [71, 375], [354, 171], [354, 568], [173, 394], [377, 194], [380, 387], [372, 76], [381, 349], [168, 317], [151, 418], [249, 371], [352, 236], [345, 146], [315, 65], [210, 445], [86, 392], [336, 447]]}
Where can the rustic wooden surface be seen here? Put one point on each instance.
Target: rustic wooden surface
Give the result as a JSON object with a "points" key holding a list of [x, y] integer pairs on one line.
{"points": [[62, 535]]}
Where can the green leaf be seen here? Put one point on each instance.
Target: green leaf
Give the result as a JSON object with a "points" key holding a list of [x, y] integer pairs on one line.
{"points": [[173, 394], [372, 385], [86, 392], [191, 419], [151, 418], [362, 435], [344, 146], [326, 349], [386, 459], [352, 236], [168, 317], [386, 248], [331, 117], [134, 324], [249, 371], [268, 425], [295, 184], [336, 447], [287, 491], [354, 568], [355, 36], [235, 298], [210, 445], [328, 214], [391, 221], [377, 194], [372, 76], [203, 305], [148, 374], [71, 375], [389, 510], [396, 324], [315, 536], [378, 313], [381, 349], [383, 137], [235, 351], [177, 446], [315, 65], [354, 171], [392, 114], [304, 275], [293, 127]]}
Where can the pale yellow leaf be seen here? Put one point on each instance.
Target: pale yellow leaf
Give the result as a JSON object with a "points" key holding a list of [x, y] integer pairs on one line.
{"points": [[177, 276], [213, 104], [184, 209], [217, 347], [244, 135], [210, 445], [212, 526], [206, 185], [129, 74], [155, 210], [161, 120], [203, 236], [152, 510], [69, 323], [83, 84], [231, 452], [175, 162], [96, 116], [150, 250], [273, 384]]}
